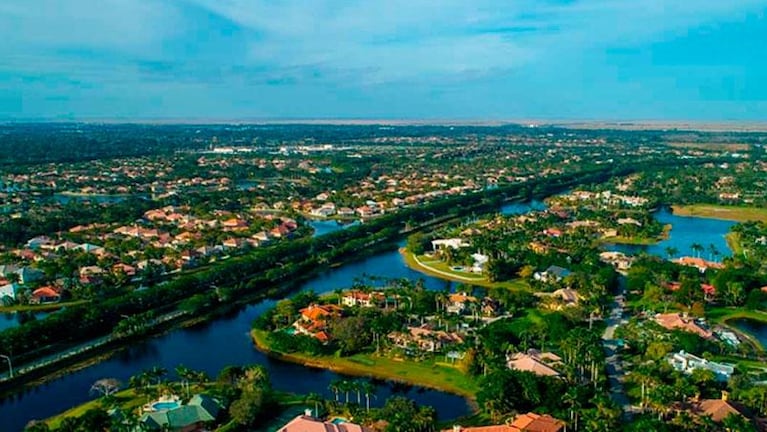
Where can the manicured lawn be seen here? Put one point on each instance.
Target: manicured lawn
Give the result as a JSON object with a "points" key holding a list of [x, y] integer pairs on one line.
{"points": [[426, 373], [734, 213], [722, 314], [630, 240], [437, 268]]}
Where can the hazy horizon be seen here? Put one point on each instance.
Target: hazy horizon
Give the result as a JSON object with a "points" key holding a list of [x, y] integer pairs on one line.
{"points": [[577, 60]]}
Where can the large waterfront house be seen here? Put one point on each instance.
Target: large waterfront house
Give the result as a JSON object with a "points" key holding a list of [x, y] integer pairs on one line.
{"points": [[194, 416], [314, 320], [530, 422], [307, 423], [424, 339], [360, 298]]}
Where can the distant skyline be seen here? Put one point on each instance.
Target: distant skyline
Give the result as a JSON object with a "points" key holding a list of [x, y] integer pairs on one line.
{"points": [[675, 60]]}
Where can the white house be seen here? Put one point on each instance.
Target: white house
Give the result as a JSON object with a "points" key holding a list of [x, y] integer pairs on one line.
{"points": [[480, 261], [453, 243], [686, 362], [8, 290]]}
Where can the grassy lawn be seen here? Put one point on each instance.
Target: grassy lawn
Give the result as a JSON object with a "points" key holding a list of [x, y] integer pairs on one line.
{"points": [[641, 241], [426, 374], [438, 268], [733, 242], [723, 314], [40, 308], [630, 240], [748, 364], [127, 399], [734, 213]]}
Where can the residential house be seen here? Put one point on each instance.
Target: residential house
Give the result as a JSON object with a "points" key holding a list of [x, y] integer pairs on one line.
{"points": [[458, 303], [191, 417], [262, 237], [314, 320], [687, 363], [8, 290], [699, 263], [358, 298], [552, 274], [674, 321], [46, 294], [126, 269], [28, 275], [480, 261], [307, 423], [567, 296], [530, 422], [619, 260], [539, 363], [234, 243], [37, 242], [453, 243], [365, 211], [424, 339], [235, 224], [719, 409]]}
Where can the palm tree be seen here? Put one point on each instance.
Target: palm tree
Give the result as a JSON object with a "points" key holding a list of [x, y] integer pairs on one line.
{"points": [[346, 387], [713, 251], [157, 373], [335, 387], [184, 374], [357, 387], [697, 248], [671, 252], [368, 389]]}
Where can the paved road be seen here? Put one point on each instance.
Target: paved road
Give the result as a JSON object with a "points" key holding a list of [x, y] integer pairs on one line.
{"points": [[78, 349], [614, 367]]}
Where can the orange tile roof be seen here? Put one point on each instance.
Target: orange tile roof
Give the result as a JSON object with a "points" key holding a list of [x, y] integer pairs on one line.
{"points": [[530, 422]]}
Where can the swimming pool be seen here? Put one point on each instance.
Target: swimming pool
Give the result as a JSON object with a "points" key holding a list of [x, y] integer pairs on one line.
{"points": [[338, 420], [163, 406]]}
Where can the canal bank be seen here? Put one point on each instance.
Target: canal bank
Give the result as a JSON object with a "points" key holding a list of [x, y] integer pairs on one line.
{"points": [[430, 375]]}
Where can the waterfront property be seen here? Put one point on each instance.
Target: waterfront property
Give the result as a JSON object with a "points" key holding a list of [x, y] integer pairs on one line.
{"points": [[687, 363], [307, 423], [530, 422], [170, 414]]}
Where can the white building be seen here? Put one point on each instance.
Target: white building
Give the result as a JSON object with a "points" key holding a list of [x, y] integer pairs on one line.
{"points": [[686, 362]]}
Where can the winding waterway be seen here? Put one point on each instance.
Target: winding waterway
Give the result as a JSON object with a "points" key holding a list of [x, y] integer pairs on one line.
{"points": [[212, 346]]}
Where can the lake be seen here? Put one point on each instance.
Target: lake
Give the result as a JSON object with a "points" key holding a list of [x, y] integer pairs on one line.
{"points": [[322, 227], [685, 231]]}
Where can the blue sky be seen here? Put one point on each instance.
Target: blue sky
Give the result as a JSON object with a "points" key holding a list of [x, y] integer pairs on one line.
{"points": [[403, 59]]}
